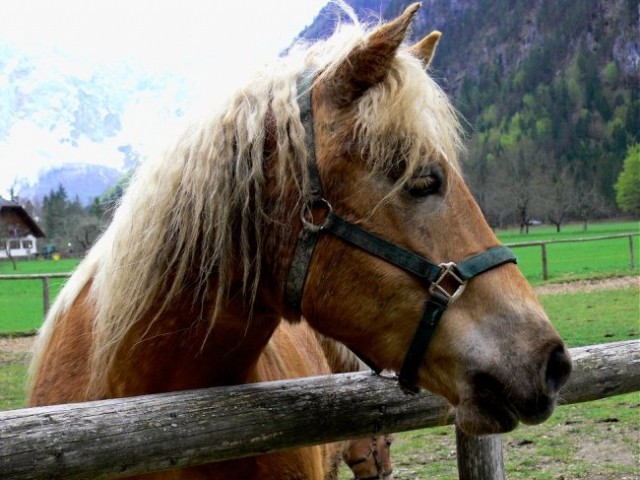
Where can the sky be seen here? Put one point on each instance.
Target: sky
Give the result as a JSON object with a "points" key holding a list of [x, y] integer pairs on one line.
{"points": [[196, 39]]}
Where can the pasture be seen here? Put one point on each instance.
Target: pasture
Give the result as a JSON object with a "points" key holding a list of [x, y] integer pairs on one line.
{"points": [[576, 260], [21, 306]]}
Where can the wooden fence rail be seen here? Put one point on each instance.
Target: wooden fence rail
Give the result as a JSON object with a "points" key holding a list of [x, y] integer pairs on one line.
{"points": [[543, 247], [119, 437]]}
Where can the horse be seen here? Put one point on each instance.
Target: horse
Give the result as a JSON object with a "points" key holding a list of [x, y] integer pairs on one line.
{"points": [[328, 187], [295, 350], [370, 460]]}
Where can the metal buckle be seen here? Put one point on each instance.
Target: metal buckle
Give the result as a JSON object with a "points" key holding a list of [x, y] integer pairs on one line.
{"points": [[437, 290], [309, 221]]}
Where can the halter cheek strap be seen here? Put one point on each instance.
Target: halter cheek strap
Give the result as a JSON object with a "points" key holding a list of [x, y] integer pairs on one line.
{"points": [[438, 279]]}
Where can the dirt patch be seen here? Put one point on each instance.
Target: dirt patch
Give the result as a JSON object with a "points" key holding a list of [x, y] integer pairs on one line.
{"points": [[589, 285], [16, 349]]}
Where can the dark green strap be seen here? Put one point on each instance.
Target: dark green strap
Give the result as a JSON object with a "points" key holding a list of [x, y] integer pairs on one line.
{"points": [[304, 85], [308, 237], [436, 305], [483, 261], [294, 288], [417, 350], [369, 242]]}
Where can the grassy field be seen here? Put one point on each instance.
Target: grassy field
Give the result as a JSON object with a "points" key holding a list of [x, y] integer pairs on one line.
{"points": [[571, 261], [21, 303]]}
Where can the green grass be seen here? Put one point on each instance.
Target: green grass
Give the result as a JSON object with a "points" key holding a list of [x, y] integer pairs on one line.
{"points": [[21, 302], [12, 375], [571, 261], [572, 230], [39, 266], [595, 317]]}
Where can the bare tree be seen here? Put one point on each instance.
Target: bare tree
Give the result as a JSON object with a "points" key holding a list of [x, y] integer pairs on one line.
{"points": [[518, 181], [83, 230], [589, 202], [558, 196], [9, 232]]}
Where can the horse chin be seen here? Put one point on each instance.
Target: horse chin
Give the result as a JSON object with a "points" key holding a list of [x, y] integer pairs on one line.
{"points": [[492, 409], [475, 419]]}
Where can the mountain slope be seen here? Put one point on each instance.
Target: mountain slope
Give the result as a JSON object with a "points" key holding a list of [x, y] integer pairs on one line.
{"points": [[56, 109], [552, 83], [80, 180]]}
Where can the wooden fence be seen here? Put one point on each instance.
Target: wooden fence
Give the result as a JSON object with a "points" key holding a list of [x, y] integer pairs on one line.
{"points": [[46, 284], [543, 247], [119, 437]]}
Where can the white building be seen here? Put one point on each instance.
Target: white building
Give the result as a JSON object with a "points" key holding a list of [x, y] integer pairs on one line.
{"points": [[18, 231]]}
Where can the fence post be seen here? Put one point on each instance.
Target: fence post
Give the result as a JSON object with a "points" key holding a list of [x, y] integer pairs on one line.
{"points": [[45, 294], [479, 458], [632, 260], [545, 271]]}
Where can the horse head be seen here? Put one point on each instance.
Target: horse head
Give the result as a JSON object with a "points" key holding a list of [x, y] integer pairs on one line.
{"points": [[383, 142]]}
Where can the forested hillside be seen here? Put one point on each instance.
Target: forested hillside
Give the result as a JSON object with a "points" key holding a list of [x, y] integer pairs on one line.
{"points": [[548, 92]]}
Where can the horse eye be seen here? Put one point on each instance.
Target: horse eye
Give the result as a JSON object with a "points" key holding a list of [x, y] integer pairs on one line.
{"points": [[424, 185]]}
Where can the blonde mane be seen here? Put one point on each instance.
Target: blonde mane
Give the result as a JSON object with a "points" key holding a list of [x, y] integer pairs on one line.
{"points": [[190, 218]]}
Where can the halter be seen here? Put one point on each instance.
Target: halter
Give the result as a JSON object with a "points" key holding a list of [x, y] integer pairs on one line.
{"points": [[437, 279]]}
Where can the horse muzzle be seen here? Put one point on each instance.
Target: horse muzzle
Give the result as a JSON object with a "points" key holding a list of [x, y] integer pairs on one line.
{"points": [[498, 403]]}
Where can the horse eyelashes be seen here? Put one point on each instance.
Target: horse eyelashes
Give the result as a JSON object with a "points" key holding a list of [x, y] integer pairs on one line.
{"points": [[424, 185]]}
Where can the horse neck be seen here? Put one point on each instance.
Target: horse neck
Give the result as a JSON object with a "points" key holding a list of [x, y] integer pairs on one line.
{"points": [[174, 352], [339, 357]]}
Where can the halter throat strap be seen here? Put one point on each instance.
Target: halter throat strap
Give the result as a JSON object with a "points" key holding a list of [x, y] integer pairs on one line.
{"points": [[445, 282]]}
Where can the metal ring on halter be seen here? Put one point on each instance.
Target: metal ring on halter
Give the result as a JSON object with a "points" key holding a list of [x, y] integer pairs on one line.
{"points": [[307, 214], [448, 270]]}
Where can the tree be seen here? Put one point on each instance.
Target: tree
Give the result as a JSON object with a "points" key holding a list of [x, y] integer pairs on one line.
{"points": [[9, 231], [70, 226], [521, 176], [628, 184], [589, 202], [54, 212], [558, 196]]}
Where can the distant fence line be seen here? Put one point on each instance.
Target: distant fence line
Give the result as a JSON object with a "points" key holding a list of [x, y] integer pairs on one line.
{"points": [[46, 296], [46, 284], [543, 247]]}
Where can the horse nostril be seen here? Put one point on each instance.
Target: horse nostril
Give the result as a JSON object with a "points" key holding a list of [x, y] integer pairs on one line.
{"points": [[558, 369]]}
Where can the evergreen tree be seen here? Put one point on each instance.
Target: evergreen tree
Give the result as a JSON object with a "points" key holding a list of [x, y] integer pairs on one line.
{"points": [[53, 210]]}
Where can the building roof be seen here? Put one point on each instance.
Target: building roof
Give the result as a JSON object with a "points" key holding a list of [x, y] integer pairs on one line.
{"points": [[7, 205]]}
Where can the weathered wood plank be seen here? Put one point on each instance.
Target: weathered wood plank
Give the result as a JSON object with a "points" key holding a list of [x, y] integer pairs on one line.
{"points": [[111, 438]]}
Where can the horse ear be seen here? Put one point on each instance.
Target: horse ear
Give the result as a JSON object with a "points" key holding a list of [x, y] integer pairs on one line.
{"points": [[426, 47], [368, 65]]}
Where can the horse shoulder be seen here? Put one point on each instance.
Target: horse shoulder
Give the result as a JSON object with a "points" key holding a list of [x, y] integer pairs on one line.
{"points": [[63, 370]]}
